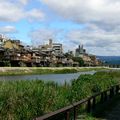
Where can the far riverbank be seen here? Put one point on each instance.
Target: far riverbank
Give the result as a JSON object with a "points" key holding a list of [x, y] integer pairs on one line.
{"points": [[45, 70]]}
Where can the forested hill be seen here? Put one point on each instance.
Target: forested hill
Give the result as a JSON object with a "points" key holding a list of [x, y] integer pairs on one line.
{"points": [[110, 59]]}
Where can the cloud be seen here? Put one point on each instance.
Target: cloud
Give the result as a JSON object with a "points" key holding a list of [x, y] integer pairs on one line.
{"points": [[42, 35], [11, 11], [96, 40], [35, 14], [8, 29], [101, 19], [24, 2], [99, 12]]}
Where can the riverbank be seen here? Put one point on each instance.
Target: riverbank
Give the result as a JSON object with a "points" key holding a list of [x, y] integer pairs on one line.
{"points": [[29, 99], [45, 70]]}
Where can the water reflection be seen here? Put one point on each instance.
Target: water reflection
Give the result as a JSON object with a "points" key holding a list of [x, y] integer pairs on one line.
{"points": [[58, 78]]}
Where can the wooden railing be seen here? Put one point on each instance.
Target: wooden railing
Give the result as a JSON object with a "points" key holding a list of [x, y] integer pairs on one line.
{"points": [[90, 104]]}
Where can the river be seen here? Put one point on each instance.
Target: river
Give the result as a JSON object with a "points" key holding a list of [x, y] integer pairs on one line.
{"points": [[58, 78]]}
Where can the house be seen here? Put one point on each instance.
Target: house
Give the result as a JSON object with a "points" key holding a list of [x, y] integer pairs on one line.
{"points": [[13, 44]]}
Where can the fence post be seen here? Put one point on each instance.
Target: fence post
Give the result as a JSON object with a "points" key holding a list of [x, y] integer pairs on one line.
{"points": [[94, 103], [89, 106], [117, 89], [111, 92], [102, 97], [75, 113], [67, 116], [105, 96]]}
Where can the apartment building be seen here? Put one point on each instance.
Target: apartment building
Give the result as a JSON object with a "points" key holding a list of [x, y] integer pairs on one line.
{"points": [[52, 48]]}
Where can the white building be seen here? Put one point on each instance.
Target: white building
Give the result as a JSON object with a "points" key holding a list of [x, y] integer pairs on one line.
{"points": [[2, 39]]}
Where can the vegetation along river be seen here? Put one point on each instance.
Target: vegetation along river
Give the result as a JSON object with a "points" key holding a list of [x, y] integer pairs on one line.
{"points": [[58, 78]]}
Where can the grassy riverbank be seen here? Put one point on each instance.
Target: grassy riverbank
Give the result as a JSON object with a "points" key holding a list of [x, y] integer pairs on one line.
{"points": [[44, 70], [24, 100]]}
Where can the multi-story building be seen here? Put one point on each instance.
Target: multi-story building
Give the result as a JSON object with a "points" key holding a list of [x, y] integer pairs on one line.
{"points": [[80, 51], [89, 60], [57, 48], [52, 48]]}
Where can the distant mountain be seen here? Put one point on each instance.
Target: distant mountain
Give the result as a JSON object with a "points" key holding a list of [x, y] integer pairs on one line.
{"points": [[110, 59]]}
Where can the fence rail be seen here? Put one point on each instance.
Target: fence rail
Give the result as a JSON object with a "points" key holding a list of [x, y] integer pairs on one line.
{"points": [[90, 103]]}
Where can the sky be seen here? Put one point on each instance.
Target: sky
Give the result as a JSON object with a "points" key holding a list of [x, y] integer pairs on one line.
{"points": [[93, 23]]}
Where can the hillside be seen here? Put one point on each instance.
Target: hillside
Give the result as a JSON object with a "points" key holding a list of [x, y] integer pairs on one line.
{"points": [[110, 59]]}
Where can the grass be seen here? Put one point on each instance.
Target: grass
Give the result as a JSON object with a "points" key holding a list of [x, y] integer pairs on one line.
{"points": [[45, 70], [25, 100]]}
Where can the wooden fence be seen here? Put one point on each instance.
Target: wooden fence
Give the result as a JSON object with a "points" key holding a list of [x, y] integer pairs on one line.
{"points": [[90, 104]]}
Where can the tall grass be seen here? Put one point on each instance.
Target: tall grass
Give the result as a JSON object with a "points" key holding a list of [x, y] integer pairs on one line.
{"points": [[25, 100]]}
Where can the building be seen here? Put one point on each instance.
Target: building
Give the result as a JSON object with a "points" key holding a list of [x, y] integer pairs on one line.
{"points": [[57, 48], [80, 51], [13, 44], [2, 39], [89, 59], [52, 48]]}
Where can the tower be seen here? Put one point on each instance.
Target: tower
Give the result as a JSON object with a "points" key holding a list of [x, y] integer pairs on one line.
{"points": [[50, 42]]}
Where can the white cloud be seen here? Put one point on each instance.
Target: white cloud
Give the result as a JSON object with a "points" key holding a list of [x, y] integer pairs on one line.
{"points": [[96, 40], [11, 11], [101, 18], [41, 36], [24, 2], [87, 11], [8, 29], [35, 14]]}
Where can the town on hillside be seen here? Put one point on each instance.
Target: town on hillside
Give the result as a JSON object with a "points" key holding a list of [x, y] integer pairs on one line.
{"points": [[14, 53]]}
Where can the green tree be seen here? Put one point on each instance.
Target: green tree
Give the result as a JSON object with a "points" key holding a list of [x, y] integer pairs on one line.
{"points": [[68, 55], [79, 60]]}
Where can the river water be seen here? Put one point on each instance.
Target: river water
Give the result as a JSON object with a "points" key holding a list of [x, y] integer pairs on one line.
{"points": [[58, 78]]}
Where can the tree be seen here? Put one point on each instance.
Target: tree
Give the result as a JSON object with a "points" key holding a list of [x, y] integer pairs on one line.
{"points": [[69, 54], [79, 60]]}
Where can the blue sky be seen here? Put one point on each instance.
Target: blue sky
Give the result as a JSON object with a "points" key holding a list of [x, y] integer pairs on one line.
{"points": [[93, 23]]}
